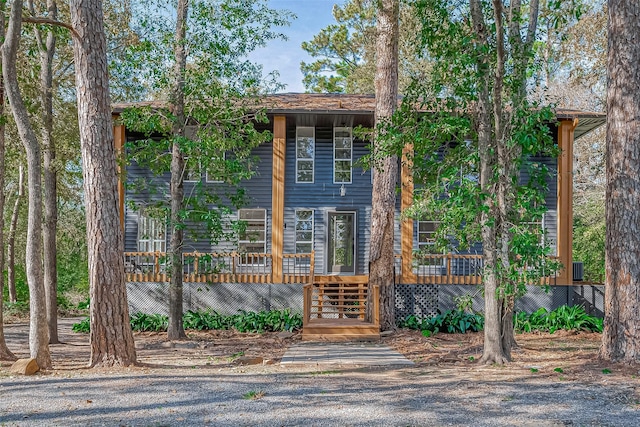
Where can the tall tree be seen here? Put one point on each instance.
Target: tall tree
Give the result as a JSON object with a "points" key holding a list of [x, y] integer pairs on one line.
{"points": [[210, 86], [46, 50], [111, 337], [175, 329], [485, 54], [620, 338], [5, 353], [38, 328], [11, 244], [346, 50], [381, 253]]}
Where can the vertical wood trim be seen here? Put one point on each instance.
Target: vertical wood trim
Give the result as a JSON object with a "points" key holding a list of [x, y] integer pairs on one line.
{"points": [[277, 195], [565, 201], [406, 226], [119, 137]]}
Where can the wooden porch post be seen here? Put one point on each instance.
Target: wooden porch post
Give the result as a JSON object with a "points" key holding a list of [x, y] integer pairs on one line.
{"points": [[277, 196], [119, 138], [565, 200], [406, 227]]}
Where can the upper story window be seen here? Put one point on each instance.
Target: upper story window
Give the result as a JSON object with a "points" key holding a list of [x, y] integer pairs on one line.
{"points": [[192, 170], [342, 155], [305, 153], [215, 170], [152, 234], [253, 238], [304, 231], [426, 236]]}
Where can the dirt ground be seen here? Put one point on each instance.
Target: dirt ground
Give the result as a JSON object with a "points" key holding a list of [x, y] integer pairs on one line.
{"points": [[562, 356]]}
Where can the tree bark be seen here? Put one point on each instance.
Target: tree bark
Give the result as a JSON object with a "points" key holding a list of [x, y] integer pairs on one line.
{"points": [[381, 252], [5, 353], [621, 335], [47, 50], [38, 329], [11, 244], [111, 337], [175, 329]]}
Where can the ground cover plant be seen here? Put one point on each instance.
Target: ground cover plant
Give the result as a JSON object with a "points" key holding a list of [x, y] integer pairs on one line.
{"points": [[245, 321], [462, 321]]}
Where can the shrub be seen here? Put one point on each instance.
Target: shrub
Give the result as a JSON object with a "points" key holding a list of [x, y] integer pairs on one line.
{"points": [[246, 321]]}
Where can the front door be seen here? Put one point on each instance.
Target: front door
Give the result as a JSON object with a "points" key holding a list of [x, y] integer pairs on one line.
{"points": [[341, 243]]}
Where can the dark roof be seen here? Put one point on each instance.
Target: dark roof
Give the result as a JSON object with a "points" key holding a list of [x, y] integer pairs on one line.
{"points": [[337, 103]]}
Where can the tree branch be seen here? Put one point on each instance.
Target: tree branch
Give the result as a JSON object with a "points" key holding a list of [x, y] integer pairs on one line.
{"points": [[47, 21]]}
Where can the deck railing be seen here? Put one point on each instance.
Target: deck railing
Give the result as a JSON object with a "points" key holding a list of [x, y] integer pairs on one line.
{"points": [[233, 267], [230, 267]]}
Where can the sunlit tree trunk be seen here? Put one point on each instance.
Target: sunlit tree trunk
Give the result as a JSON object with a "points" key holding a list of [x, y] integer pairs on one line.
{"points": [[11, 244], [5, 353], [621, 335], [381, 253], [38, 328], [175, 330], [111, 337], [47, 49]]}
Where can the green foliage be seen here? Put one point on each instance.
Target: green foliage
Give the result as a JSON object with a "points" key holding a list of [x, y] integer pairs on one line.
{"points": [[451, 322], [142, 322], [260, 322], [461, 321], [564, 317], [589, 230], [82, 327]]}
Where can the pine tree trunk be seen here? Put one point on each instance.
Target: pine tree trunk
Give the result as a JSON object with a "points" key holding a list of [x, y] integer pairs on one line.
{"points": [[621, 335], [11, 245], [5, 353], [47, 50], [383, 200], [111, 338], [38, 328], [175, 330]]}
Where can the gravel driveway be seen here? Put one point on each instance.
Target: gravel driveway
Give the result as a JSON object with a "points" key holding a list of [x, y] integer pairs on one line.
{"points": [[171, 394]]}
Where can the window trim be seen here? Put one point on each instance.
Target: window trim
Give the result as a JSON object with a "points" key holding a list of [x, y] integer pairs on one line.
{"points": [[312, 220], [304, 159], [153, 234], [245, 241], [350, 130]]}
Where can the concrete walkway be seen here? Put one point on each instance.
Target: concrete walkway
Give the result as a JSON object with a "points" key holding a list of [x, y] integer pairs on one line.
{"points": [[327, 354]]}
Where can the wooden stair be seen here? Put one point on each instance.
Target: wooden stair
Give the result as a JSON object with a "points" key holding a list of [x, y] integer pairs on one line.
{"points": [[337, 312]]}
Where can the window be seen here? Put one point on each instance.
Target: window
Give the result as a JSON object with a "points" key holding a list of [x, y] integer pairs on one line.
{"points": [[429, 260], [151, 234], [253, 237], [305, 153], [342, 155], [304, 231], [192, 171], [215, 171], [536, 228]]}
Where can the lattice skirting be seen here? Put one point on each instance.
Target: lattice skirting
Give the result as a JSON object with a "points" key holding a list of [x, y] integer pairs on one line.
{"points": [[419, 300]]}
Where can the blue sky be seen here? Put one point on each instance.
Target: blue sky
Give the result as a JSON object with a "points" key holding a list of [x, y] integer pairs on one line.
{"points": [[285, 56]]}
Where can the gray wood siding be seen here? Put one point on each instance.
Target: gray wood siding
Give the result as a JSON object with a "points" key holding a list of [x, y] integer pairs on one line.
{"points": [[152, 188], [323, 196]]}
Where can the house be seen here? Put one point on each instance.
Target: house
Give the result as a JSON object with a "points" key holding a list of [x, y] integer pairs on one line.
{"points": [[308, 222]]}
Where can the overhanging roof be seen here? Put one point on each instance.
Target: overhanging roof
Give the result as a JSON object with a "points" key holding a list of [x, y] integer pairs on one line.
{"points": [[323, 103]]}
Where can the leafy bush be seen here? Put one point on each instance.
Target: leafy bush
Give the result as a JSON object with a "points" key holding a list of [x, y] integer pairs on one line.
{"points": [[142, 322], [564, 317], [451, 321], [263, 321], [461, 321], [82, 327]]}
